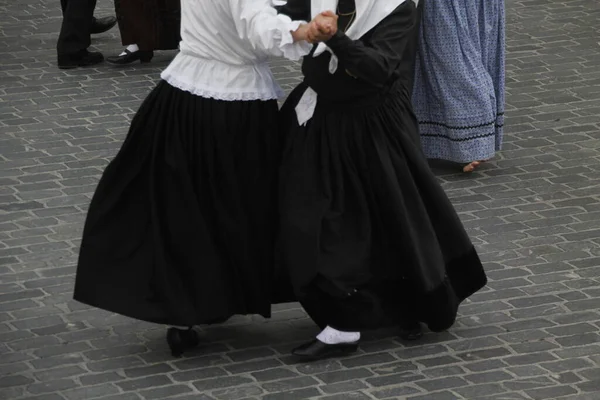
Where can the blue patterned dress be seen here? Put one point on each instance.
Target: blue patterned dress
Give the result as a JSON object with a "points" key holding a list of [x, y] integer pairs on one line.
{"points": [[459, 81]]}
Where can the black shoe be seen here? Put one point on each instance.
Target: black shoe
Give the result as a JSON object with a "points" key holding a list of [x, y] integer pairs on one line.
{"points": [[82, 58], [410, 330], [101, 25], [181, 340], [129, 57], [317, 350]]}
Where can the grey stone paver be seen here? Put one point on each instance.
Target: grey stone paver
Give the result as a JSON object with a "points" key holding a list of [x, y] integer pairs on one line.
{"points": [[534, 214]]}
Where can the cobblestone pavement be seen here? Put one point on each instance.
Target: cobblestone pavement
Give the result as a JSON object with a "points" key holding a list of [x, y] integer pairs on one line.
{"points": [[534, 214]]}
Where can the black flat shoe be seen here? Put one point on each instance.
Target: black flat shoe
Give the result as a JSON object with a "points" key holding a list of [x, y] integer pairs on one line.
{"points": [[101, 25], [82, 58], [410, 330], [317, 350], [180, 340], [130, 57]]}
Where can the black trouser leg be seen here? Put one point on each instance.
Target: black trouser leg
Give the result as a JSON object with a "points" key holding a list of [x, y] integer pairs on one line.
{"points": [[78, 16]]}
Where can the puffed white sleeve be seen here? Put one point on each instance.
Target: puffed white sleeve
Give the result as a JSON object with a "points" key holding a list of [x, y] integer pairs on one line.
{"points": [[257, 22]]}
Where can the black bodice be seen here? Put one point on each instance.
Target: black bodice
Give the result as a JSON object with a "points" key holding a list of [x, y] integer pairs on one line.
{"points": [[382, 58], [340, 86]]}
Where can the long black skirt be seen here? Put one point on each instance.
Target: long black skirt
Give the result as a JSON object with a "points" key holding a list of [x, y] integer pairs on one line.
{"points": [[181, 226], [367, 234]]}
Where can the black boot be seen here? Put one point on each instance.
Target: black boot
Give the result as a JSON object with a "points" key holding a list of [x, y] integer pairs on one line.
{"points": [[101, 25], [317, 350], [181, 340], [82, 58], [410, 330], [130, 57]]}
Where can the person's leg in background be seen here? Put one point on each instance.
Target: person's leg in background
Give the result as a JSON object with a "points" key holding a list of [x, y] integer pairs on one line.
{"points": [[146, 26], [77, 26], [74, 38], [99, 25]]}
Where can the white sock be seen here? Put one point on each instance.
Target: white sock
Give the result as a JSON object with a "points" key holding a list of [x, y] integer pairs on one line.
{"points": [[333, 336], [132, 48]]}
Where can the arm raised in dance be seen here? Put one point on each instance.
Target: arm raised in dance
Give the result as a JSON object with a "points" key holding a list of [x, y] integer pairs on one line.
{"points": [[278, 35]]}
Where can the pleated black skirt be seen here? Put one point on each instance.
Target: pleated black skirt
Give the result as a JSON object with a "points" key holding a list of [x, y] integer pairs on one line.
{"points": [[181, 226], [367, 234]]}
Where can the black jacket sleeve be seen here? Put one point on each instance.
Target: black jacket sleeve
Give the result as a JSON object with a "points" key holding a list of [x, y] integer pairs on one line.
{"points": [[297, 10], [377, 58]]}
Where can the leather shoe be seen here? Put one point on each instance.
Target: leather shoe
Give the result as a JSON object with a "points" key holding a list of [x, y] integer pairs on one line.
{"points": [[317, 350], [129, 57], [101, 25], [82, 58], [181, 340], [410, 330]]}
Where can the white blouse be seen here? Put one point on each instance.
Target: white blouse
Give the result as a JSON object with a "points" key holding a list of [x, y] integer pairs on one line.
{"points": [[225, 47]]}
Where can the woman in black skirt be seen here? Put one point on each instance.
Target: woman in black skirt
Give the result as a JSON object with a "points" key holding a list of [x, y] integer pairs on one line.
{"points": [[368, 235], [180, 228]]}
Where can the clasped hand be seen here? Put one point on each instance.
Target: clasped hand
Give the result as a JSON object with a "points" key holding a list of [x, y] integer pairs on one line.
{"points": [[322, 28]]}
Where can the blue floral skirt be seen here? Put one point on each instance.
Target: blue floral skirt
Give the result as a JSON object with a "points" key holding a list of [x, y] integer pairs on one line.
{"points": [[459, 82]]}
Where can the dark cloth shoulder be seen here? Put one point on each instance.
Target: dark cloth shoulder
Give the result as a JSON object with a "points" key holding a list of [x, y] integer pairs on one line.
{"points": [[379, 54]]}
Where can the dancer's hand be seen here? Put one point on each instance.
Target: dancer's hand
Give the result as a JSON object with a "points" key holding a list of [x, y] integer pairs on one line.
{"points": [[322, 27]]}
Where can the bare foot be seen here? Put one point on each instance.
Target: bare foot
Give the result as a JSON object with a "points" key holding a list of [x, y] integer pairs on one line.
{"points": [[472, 166]]}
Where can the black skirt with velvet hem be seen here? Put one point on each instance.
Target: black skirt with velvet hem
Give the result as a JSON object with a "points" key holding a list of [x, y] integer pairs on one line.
{"points": [[181, 226], [396, 302], [367, 234]]}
